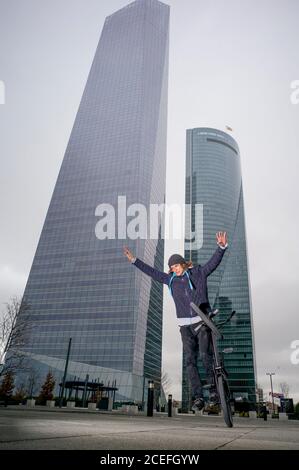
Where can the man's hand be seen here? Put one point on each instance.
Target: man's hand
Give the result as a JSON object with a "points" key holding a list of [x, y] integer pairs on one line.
{"points": [[128, 253], [221, 238]]}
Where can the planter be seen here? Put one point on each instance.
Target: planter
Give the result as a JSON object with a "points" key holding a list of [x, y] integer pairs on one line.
{"points": [[105, 404], [50, 403], [30, 402], [110, 404], [130, 409], [71, 404], [92, 406]]}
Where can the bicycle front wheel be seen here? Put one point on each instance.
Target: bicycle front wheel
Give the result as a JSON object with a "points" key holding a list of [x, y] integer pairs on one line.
{"points": [[225, 400]]}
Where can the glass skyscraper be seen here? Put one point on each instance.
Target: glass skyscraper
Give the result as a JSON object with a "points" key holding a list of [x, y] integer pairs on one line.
{"points": [[213, 179], [81, 286]]}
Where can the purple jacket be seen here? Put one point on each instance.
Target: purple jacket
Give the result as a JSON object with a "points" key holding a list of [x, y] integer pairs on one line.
{"points": [[182, 292]]}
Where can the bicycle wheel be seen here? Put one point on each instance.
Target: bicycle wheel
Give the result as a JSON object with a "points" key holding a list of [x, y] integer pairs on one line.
{"points": [[225, 400]]}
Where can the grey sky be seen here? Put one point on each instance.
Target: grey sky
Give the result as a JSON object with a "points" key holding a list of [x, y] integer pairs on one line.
{"points": [[231, 63]]}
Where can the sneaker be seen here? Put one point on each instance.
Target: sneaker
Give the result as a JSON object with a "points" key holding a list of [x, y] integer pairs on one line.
{"points": [[198, 404], [213, 408], [214, 399]]}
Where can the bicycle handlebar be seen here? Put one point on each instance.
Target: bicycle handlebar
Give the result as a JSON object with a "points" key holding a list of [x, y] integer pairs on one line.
{"points": [[210, 324], [207, 319], [227, 320]]}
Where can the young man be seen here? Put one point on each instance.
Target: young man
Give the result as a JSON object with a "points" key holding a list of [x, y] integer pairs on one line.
{"points": [[189, 284]]}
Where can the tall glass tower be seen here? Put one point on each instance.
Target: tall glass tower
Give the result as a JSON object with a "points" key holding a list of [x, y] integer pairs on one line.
{"points": [[81, 286], [213, 178]]}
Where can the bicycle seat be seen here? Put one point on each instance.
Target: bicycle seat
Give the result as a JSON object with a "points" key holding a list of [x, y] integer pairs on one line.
{"points": [[227, 350]]}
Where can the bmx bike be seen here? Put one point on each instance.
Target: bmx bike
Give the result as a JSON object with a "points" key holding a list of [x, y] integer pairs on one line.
{"points": [[220, 374]]}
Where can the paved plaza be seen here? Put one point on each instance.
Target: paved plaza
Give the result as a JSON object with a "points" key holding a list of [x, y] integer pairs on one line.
{"points": [[24, 428]]}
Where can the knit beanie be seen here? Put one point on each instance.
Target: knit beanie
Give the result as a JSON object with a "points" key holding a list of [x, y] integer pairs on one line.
{"points": [[176, 259]]}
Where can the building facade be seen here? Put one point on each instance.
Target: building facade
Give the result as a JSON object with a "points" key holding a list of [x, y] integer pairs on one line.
{"points": [[80, 284], [213, 179]]}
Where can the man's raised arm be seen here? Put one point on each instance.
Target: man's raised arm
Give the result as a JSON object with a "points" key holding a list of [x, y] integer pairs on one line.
{"points": [[212, 264], [145, 268]]}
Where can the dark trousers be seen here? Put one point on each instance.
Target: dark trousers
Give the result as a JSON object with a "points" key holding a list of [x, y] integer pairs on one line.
{"points": [[194, 344]]}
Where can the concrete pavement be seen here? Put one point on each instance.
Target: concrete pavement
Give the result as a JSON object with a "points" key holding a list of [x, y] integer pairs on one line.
{"points": [[26, 428]]}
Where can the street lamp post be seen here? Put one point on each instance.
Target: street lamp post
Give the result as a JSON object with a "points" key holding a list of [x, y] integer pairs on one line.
{"points": [[270, 374], [65, 374]]}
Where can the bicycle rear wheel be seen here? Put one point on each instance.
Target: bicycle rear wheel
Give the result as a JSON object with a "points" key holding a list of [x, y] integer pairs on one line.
{"points": [[225, 400]]}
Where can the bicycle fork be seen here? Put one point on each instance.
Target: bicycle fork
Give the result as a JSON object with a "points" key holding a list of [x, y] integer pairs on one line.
{"points": [[218, 366]]}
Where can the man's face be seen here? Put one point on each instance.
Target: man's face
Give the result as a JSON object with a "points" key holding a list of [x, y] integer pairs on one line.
{"points": [[178, 269]]}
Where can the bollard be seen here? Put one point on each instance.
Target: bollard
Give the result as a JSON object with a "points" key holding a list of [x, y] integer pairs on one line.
{"points": [[150, 398], [169, 406]]}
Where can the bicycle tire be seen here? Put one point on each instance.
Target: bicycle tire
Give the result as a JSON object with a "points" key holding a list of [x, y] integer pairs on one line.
{"points": [[225, 401]]}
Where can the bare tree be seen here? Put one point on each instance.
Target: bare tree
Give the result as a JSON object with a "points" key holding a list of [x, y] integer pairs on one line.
{"points": [[33, 382], [20, 392], [166, 382], [285, 389], [14, 330]]}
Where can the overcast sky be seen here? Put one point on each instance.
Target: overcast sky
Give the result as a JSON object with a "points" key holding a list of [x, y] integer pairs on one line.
{"points": [[231, 63]]}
